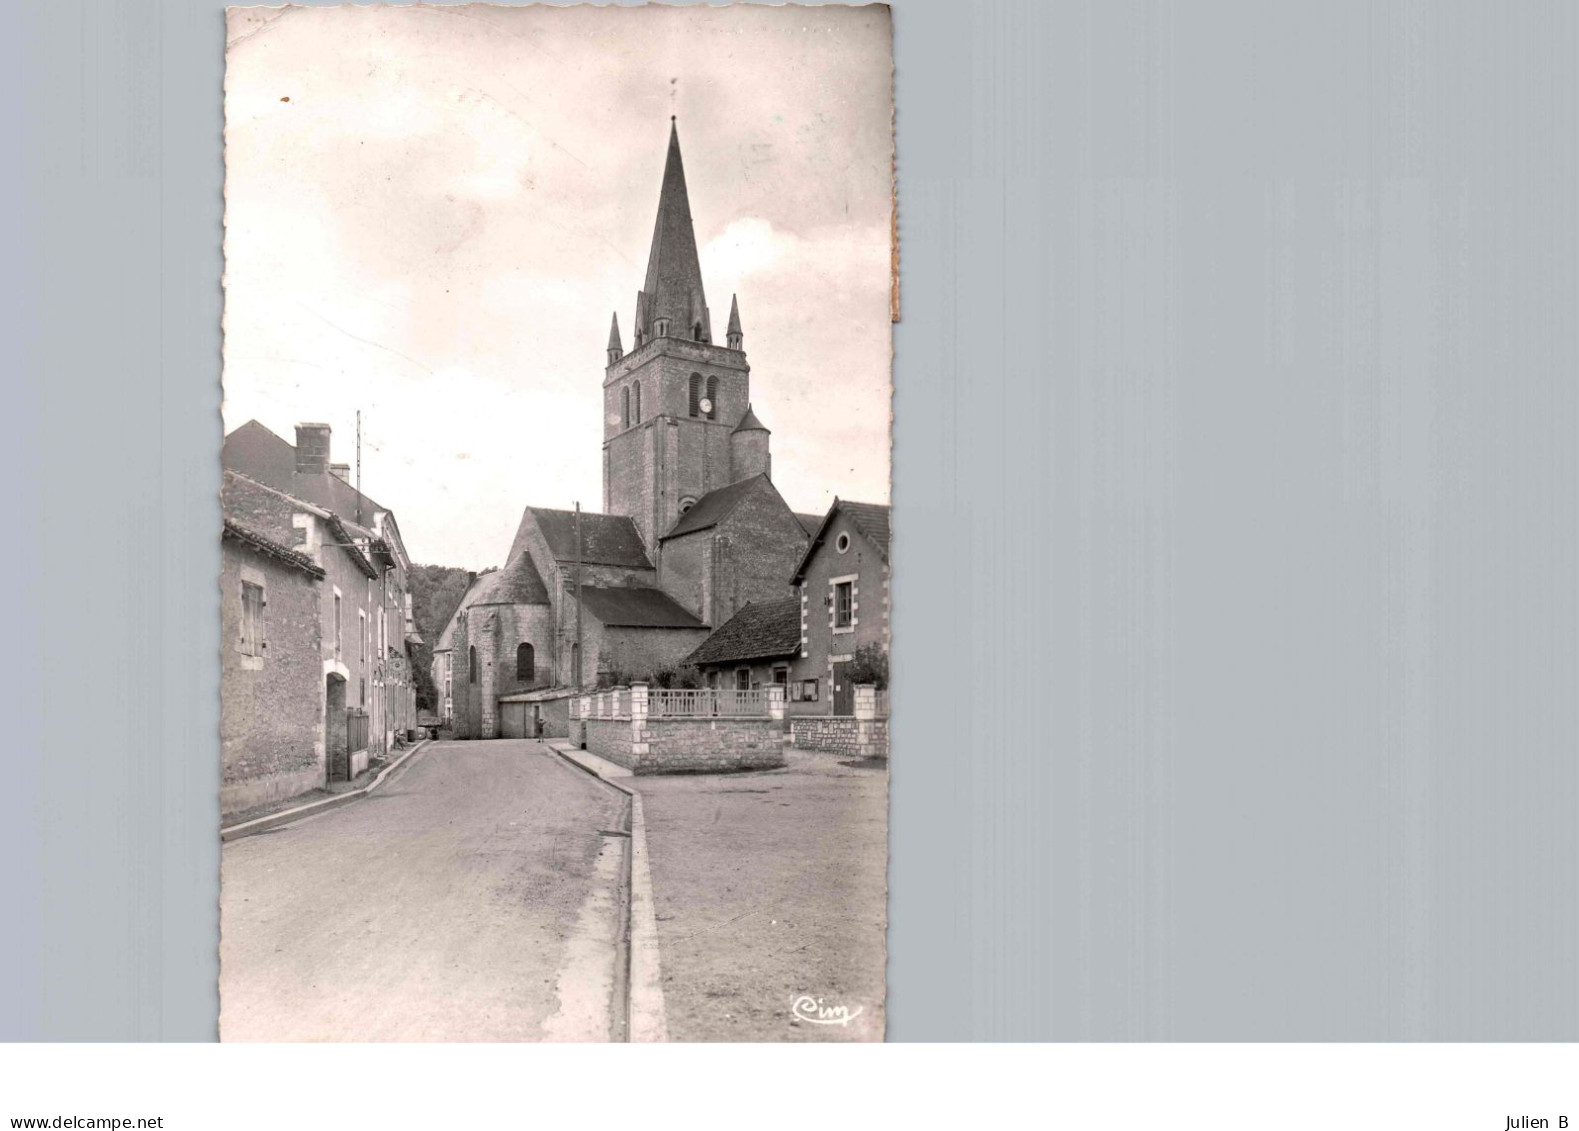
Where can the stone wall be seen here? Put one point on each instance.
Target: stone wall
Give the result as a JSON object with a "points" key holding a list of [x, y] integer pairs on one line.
{"points": [[271, 706], [682, 746], [862, 735]]}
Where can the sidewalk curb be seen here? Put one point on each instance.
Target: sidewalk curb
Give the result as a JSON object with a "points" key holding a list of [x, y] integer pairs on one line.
{"points": [[646, 1018], [285, 816]]}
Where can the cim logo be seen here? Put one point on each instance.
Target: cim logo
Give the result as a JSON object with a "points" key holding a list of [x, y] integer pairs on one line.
{"points": [[808, 1008]]}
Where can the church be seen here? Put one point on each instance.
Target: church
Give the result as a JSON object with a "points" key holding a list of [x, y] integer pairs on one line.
{"points": [[692, 528]]}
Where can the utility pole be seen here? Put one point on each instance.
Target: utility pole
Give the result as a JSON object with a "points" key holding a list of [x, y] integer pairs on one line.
{"points": [[576, 650], [359, 467]]}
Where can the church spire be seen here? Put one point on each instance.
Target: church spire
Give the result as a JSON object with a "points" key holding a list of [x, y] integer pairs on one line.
{"points": [[616, 351], [733, 336], [672, 303]]}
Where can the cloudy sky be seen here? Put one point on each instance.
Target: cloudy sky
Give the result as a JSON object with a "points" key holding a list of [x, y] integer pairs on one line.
{"points": [[432, 212]]}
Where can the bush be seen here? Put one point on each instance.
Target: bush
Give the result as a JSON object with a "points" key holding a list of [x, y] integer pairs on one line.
{"points": [[869, 666], [678, 676]]}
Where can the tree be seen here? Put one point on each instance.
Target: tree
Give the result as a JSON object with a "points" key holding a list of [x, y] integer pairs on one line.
{"points": [[869, 666]]}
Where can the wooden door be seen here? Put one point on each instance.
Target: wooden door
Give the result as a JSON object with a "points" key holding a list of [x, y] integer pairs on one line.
{"points": [[843, 692]]}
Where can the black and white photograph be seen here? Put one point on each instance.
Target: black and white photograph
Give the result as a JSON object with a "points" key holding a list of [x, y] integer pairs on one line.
{"points": [[557, 548]]}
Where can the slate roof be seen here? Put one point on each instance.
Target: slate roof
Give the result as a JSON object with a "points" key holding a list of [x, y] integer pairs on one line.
{"points": [[761, 630], [750, 423], [606, 539], [673, 287], [809, 523], [639, 608], [712, 508], [871, 519], [235, 530], [259, 454], [518, 583]]}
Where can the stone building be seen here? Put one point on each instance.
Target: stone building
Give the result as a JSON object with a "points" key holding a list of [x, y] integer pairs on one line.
{"points": [[757, 647], [842, 585], [271, 678], [311, 678], [366, 601], [692, 528]]}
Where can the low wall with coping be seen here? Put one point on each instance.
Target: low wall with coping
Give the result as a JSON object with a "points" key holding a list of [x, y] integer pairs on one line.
{"points": [[705, 745]]}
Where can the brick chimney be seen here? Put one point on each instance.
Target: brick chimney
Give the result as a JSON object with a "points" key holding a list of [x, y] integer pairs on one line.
{"points": [[312, 449]]}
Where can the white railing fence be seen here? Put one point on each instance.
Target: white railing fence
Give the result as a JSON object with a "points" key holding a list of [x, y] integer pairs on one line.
{"points": [[706, 703]]}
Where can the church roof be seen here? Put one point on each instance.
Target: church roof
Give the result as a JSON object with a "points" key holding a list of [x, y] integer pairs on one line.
{"points": [[518, 583], [673, 287], [713, 507], [259, 454], [871, 519], [606, 539], [761, 630], [640, 608], [750, 423]]}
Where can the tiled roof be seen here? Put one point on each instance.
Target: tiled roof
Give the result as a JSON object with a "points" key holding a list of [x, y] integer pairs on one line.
{"points": [[265, 510], [606, 539], [871, 519], [713, 507], [235, 530], [640, 608], [761, 630]]}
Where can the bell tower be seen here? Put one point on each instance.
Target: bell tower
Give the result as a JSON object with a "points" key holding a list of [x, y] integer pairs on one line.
{"points": [[671, 404]]}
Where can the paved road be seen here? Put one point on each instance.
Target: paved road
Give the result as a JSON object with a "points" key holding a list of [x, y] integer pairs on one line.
{"points": [[471, 898]]}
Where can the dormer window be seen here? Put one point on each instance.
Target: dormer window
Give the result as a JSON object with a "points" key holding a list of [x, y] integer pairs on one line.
{"points": [[686, 504]]}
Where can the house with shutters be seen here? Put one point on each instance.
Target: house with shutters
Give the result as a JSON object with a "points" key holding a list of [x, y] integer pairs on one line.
{"points": [[842, 586], [301, 500]]}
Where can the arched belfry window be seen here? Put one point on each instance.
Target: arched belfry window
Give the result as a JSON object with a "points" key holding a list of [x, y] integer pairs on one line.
{"points": [[525, 662], [712, 398], [471, 664], [696, 394], [636, 402], [625, 407]]}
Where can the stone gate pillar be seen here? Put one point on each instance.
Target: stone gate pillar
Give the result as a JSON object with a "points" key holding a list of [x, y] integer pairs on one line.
{"points": [[866, 720], [638, 723]]}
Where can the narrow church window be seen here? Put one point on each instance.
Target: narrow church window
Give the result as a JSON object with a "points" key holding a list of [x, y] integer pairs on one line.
{"points": [[525, 663], [696, 331], [696, 394], [712, 398], [625, 407], [471, 670], [636, 401]]}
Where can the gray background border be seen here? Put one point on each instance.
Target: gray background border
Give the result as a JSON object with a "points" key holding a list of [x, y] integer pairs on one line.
{"points": [[1236, 509]]}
